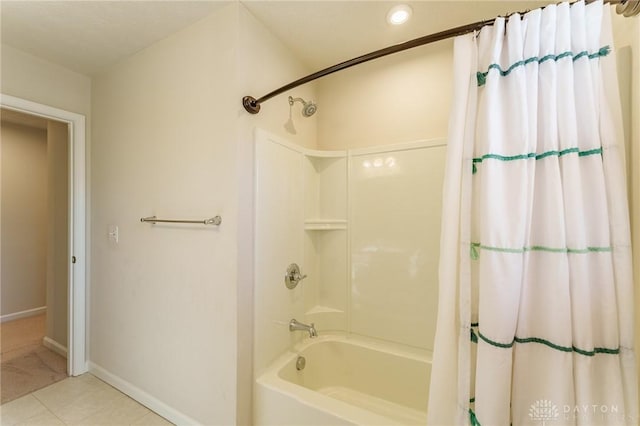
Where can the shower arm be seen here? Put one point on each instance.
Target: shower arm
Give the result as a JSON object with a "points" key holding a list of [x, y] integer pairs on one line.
{"points": [[252, 105], [294, 100]]}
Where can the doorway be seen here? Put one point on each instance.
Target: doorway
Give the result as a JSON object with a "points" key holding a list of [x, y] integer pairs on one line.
{"points": [[75, 256]]}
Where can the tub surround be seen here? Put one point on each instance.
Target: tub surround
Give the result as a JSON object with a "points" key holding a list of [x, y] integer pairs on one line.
{"points": [[363, 225], [369, 289]]}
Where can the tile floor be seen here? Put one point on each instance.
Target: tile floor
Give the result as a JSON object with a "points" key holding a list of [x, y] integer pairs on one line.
{"points": [[82, 400]]}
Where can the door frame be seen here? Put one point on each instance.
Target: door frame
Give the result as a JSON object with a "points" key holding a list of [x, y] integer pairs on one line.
{"points": [[77, 207]]}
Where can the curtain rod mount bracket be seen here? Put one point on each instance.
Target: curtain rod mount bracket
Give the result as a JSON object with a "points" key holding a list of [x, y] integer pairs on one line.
{"points": [[251, 104]]}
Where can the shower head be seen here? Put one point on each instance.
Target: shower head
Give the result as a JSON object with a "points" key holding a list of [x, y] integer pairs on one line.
{"points": [[308, 108]]}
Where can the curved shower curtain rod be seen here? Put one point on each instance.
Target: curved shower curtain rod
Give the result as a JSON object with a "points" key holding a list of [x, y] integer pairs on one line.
{"points": [[252, 105]]}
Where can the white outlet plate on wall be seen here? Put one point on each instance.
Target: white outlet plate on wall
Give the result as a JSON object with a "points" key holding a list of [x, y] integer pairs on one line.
{"points": [[112, 234]]}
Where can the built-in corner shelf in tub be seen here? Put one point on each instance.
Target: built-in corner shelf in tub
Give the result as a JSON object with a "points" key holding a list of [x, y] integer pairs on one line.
{"points": [[324, 224]]}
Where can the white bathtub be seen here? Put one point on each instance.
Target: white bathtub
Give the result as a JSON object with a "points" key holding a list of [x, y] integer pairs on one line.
{"points": [[346, 380]]}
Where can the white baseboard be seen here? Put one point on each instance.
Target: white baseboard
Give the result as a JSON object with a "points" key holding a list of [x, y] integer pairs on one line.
{"points": [[149, 401], [23, 314], [49, 343]]}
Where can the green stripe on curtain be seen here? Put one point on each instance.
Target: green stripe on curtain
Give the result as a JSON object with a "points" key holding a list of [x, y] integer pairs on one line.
{"points": [[552, 345], [476, 246], [533, 155], [473, 419], [482, 76]]}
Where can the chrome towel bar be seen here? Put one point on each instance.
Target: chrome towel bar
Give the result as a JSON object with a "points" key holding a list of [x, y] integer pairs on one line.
{"points": [[216, 220]]}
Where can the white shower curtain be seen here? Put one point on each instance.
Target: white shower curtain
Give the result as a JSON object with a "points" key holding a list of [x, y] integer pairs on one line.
{"points": [[535, 321]]}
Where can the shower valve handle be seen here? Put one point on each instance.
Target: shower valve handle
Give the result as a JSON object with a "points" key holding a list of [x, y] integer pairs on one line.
{"points": [[293, 276]]}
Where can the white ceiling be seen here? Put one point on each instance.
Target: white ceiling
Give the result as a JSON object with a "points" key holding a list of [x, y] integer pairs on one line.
{"points": [[88, 36]]}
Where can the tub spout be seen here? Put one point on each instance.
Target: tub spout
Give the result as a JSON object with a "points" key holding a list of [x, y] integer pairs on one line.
{"points": [[295, 325]]}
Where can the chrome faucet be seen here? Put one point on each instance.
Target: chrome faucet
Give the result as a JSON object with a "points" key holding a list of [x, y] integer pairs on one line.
{"points": [[294, 325]]}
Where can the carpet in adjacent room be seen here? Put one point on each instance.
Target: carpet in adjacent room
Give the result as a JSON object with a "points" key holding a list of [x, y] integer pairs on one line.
{"points": [[26, 365]]}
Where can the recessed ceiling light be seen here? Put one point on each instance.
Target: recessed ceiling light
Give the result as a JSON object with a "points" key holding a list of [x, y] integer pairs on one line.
{"points": [[399, 14]]}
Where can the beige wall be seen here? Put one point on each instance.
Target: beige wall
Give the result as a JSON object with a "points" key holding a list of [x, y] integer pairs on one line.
{"points": [[58, 231], [264, 64], [24, 218], [399, 98], [164, 299], [28, 77]]}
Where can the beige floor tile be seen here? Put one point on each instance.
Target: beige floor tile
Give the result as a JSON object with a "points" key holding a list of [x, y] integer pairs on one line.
{"points": [[86, 405], [121, 411], [152, 419], [20, 410], [44, 419], [63, 393], [78, 401]]}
